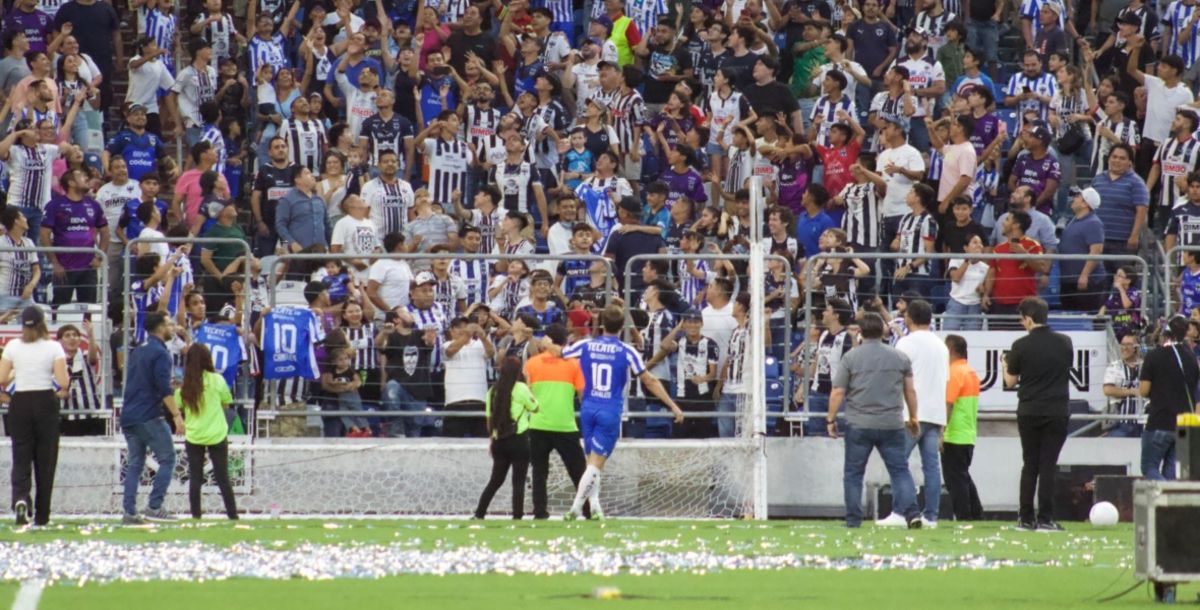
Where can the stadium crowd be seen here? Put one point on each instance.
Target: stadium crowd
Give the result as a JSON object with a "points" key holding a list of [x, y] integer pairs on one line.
{"points": [[593, 131]]}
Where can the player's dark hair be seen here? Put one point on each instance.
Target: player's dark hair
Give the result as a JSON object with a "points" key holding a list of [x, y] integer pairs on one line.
{"points": [[8, 217], [841, 308], [1175, 62], [870, 326], [919, 312], [557, 334], [467, 230], [632, 76], [10, 38], [926, 195], [198, 150], [391, 240], [210, 111], [145, 212], [1035, 309], [957, 346], [501, 423], [208, 181], [492, 193], [153, 321], [197, 362], [819, 193], [1023, 220]]}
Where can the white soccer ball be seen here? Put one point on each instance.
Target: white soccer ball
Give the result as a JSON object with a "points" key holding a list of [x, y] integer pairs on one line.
{"points": [[1104, 514]]}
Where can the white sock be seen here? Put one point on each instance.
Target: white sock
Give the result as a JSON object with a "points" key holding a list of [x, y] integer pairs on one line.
{"points": [[589, 480], [594, 498]]}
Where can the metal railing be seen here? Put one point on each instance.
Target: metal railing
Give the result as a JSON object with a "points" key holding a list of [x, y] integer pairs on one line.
{"points": [[787, 297], [809, 277], [1170, 268], [102, 281], [127, 320], [272, 410]]}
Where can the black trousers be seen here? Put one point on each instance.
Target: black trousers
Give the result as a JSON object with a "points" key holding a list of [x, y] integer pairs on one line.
{"points": [[1088, 301], [569, 450], [507, 452], [956, 470], [33, 424], [696, 427], [219, 454], [465, 427], [1042, 438]]}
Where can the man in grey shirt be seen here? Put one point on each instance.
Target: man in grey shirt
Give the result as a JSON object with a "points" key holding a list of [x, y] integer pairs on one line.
{"points": [[870, 381], [13, 67]]}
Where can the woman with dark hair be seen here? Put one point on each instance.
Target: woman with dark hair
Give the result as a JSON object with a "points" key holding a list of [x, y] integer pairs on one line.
{"points": [[203, 397], [508, 406], [33, 375]]}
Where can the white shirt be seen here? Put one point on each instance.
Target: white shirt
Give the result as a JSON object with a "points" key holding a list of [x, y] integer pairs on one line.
{"points": [[1161, 103], [356, 237], [963, 290], [33, 363], [161, 248], [718, 326], [931, 371], [144, 83], [375, 193], [587, 83], [193, 88], [466, 373], [898, 185], [360, 105], [113, 198], [394, 278]]}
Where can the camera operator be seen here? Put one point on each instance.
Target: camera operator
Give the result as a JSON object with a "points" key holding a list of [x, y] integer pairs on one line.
{"points": [[1169, 378]]}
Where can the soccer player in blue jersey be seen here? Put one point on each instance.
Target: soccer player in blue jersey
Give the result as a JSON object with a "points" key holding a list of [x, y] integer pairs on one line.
{"points": [[606, 363]]}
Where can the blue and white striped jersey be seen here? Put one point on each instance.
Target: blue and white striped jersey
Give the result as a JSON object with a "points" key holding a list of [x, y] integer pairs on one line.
{"points": [[162, 27], [1042, 84], [827, 110], [606, 362], [1179, 18], [269, 52], [1030, 9], [212, 134]]}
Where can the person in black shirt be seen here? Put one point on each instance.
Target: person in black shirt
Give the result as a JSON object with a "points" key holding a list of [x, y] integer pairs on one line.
{"points": [[627, 241], [273, 181], [954, 236], [666, 61], [1041, 363], [1169, 379], [471, 39], [407, 354], [771, 98]]}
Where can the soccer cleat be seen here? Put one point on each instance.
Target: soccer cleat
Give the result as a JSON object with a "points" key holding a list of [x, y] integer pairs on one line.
{"points": [[132, 520], [158, 514], [1049, 525], [570, 516], [926, 524], [915, 523], [892, 520], [21, 508], [597, 515], [1026, 525]]}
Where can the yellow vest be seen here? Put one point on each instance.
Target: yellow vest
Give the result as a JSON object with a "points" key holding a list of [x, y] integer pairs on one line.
{"points": [[624, 51]]}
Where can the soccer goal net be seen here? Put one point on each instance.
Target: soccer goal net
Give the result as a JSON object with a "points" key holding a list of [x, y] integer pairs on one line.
{"points": [[411, 477]]}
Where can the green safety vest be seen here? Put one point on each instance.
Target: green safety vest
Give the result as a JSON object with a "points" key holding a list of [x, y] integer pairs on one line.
{"points": [[624, 51]]}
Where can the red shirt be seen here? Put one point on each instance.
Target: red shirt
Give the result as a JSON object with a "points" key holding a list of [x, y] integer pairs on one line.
{"points": [[837, 161], [1014, 278]]}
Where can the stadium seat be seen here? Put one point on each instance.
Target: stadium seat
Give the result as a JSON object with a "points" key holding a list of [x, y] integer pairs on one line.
{"points": [[76, 313], [290, 292], [773, 369], [774, 401]]}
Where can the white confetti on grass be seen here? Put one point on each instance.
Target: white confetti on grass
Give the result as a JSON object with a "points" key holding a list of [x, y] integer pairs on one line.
{"points": [[76, 562]]}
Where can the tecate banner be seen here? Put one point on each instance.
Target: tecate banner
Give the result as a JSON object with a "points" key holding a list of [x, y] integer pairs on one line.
{"points": [[986, 350]]}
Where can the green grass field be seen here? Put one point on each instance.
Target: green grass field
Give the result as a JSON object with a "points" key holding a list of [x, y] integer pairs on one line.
{"points": [[979, 565]]}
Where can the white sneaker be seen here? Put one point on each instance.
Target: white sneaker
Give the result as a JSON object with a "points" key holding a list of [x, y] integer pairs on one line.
{"points": [[926, 524], [892, 520]]}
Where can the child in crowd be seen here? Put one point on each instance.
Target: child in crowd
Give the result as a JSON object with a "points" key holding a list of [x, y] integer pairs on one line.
{"points": [[342, 382], [578, 163]]}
